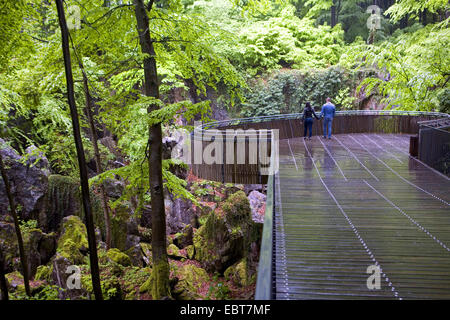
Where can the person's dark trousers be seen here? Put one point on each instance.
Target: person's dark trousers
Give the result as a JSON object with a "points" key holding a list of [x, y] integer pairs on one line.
{"points": [[308, 126], [327, 124]]}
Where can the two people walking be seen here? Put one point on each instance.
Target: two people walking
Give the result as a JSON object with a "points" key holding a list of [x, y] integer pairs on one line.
{"points": [[328, 112]]}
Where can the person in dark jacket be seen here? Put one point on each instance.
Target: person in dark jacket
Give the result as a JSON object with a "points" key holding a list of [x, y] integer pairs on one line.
{"points": [[308, 114]]}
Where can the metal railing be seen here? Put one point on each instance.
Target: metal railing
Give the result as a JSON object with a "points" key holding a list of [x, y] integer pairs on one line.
{"points": [[264, 282], [203, 129], [434, 144], [247, 130]]}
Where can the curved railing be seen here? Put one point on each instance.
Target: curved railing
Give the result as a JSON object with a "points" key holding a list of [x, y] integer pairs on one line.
{"points": [[202, 129], [247, 130]]}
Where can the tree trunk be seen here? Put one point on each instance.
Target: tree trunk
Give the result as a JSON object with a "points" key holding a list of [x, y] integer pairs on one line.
{"points": [[333, 16], [80, 154], [160, 272], [424, 17], [12, 206], [98, 163], [3, 286], [404, 22]]}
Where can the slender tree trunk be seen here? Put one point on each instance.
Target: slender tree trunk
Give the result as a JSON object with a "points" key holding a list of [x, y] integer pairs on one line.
{"points": [[3, 286], [424, 17], [160, 272], [80, 154], [12, 205], [98, 163], [404, 22], [338, 9], [333, 15]]}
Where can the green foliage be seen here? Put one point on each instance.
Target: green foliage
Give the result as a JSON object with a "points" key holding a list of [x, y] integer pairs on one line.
{"points": [[344, 99], [289, 41], [218, 289], [402, 8], [288, 91], [410, 71], [47, 292], [27, 226]]}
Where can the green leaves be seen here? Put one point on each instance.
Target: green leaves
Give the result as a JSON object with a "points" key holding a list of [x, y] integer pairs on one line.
{"points": [[411, 70], [402, 8], [288, 91], [289, 41]]}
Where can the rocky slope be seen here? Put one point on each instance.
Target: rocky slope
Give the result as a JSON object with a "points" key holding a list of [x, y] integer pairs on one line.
{"points": [[213, 245]]}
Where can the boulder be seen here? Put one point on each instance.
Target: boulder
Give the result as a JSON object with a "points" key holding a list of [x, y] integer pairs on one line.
{"points": [[73, 242], [39, 247], [145, 220], [227, 235], [113, 188], [63, 200], [240, 274], [185, 237], [191, 281], [179, 212], [44, 273], [28, 185], [145, 234], [190, 251], [59, 276], [37, 159], [175, 253], [258, 205], [250, 187], [133, 250], [119, 227], [14, 281], [31, 240], [8, 245], [119, 257]]}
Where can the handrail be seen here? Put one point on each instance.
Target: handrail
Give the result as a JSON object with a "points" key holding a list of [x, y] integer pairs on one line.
{"points": [[202, 129], [436, 123], [264, 287]]}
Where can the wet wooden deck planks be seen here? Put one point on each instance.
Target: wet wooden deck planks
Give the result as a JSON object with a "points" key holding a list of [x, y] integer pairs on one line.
{"points": [[354, 201]]}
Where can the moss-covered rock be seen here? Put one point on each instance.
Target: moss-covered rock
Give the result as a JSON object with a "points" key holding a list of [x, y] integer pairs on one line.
{"points": [[226, 236], [15, 281], [119, 227], [145, 234], [73, 240], [112, 289], [133, 279], [174, 252], [191, 280], [190, 251], [44, 273], [240, 274], [111, 286], [8, 244], [63, 199], [185, 237], [146, 287], [119, 257], [39, 246]]}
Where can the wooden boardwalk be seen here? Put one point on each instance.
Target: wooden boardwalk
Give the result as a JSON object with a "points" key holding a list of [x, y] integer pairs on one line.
{"points": [[354, 201]]}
